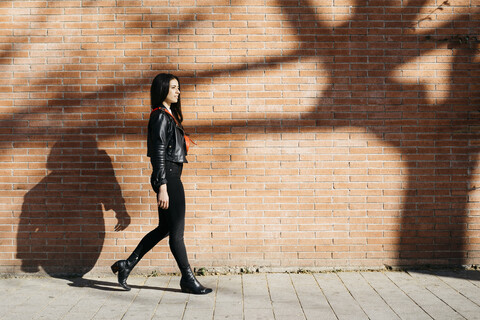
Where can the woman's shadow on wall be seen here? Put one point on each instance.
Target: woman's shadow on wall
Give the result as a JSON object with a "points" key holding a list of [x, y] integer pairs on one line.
{"points": [[62, 225]]}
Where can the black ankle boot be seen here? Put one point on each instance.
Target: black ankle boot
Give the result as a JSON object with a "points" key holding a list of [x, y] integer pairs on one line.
{"points": [[189, 284], [124, 267]]}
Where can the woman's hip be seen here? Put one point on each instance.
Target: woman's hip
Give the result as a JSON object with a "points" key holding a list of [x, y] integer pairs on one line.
{"points": [[173, 170]]}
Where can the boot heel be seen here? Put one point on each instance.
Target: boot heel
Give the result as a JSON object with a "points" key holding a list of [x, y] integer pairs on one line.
{"points": [[185, 289], [115, 267]]}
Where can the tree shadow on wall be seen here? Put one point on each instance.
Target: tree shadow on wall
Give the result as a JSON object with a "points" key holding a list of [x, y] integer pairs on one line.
{"points": [[62, 227], [433, 140]]}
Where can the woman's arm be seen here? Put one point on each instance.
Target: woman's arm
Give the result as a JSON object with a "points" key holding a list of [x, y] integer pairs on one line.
{"points": [[157, 130]]}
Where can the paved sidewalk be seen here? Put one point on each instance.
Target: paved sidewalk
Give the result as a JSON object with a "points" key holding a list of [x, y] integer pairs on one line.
{"points": [[344, 295]]}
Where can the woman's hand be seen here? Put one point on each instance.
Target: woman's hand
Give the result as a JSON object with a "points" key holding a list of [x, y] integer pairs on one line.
{"points": [[162, 197]]}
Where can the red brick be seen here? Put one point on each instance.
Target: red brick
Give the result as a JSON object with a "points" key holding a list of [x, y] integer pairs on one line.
{"points": [[284, 173]]}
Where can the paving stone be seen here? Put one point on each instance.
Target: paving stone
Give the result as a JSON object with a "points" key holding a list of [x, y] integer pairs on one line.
{"points": [[402, 304], [175, 310], [448, 295], [148, 298], [227, 317], [281, 287], [319, 313], [339, 298], [229, 289], [435, 307], [343, 295], [229, 298], [198, 314], [41, 294], [462, 284], [117, 304], [173, 302], [368, 299], [255, 292], [288, 309], [259, 314], [311, 298], [283, 296]]}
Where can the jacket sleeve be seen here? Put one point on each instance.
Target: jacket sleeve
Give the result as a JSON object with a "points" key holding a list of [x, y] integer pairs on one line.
{"points": [[157, 130]]}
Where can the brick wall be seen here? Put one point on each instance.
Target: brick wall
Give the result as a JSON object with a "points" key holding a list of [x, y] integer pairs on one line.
{"points": [[331, 134]]}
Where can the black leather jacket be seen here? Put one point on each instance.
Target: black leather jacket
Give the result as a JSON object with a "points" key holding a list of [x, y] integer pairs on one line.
{"points": [[165, 142]]}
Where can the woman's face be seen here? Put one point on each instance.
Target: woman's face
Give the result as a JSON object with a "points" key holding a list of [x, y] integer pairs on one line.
{"points": [[173, 92]]}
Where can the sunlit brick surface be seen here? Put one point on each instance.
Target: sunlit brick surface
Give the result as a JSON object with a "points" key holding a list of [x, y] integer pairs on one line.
{"points": [[331, 134]]}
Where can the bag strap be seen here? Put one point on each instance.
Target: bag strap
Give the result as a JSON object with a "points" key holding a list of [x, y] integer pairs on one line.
{"points": [[159, 108]]}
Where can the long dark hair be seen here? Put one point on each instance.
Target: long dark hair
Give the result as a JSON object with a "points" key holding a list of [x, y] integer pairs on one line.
{"points": [[159, 92]]}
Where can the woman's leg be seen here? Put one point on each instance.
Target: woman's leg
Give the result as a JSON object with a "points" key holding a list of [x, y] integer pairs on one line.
{"points": [[151, 239], [176, 222], [124, 267]]}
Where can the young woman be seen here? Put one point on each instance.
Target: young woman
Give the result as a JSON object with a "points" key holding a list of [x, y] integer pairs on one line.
{"points": [[167, 151]]}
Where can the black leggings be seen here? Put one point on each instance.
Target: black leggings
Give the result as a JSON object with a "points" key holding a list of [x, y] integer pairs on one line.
{"points": [[171, 221]]}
